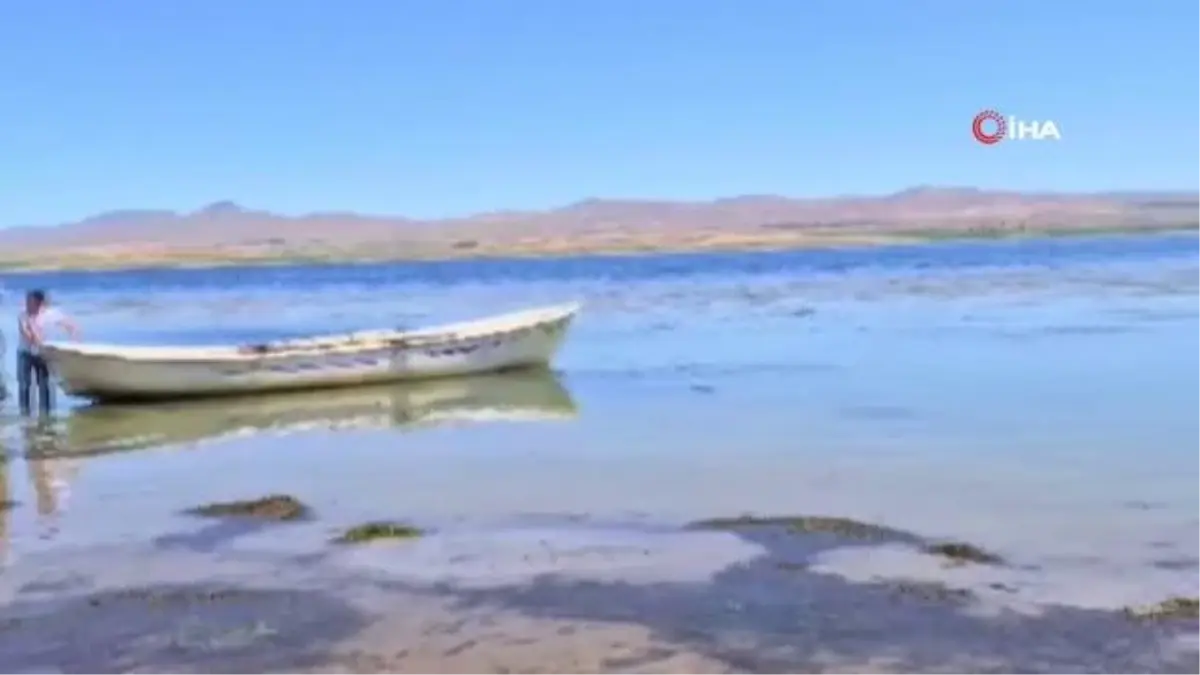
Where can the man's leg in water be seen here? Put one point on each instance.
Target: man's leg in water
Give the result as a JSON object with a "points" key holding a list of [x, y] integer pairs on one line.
{"points": [[45, 388], [3, 370], [24, 377]]}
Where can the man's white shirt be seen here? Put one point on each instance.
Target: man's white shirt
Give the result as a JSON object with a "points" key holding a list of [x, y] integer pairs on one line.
{"points": [[37, 325]]}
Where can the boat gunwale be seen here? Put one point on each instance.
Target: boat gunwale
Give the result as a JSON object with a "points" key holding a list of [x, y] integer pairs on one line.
{"points": [[397, 341]]}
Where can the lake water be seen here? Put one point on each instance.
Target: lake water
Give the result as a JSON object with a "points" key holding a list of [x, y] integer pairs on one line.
{"points": [[1036, 397]]}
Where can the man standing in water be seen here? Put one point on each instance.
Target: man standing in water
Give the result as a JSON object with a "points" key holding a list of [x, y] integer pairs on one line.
{"points": [[31, 327]]}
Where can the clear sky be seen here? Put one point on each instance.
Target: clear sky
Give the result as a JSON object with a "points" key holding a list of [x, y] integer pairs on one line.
{"points": [[443, 107]]}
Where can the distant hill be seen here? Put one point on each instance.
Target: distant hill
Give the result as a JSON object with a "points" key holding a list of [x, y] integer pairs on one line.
{"points": [[931, 210]]}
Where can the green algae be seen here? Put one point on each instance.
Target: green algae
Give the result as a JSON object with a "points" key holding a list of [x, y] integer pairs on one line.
{"points": [[962, 553], [377, 530], [845, 527], [272, 507]]}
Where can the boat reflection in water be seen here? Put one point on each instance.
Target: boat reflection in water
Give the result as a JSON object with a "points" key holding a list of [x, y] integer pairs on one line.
{"points": [[48, 477], [526, 395], [54, 452]]}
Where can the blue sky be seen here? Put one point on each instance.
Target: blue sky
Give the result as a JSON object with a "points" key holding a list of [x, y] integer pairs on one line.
{"points": [[442, 107]]}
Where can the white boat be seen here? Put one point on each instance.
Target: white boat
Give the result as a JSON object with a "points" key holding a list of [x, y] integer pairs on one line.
{"points": [[528, 338]]}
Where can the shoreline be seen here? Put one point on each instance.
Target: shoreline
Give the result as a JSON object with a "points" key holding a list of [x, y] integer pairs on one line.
{"points": [[734, 243]]}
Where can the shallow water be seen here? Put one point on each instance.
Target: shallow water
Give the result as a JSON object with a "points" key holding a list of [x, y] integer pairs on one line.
{"points": [[1039, 398]]}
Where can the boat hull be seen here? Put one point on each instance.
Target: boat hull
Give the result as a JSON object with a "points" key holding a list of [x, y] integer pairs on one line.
{"points": [[109, 373]]}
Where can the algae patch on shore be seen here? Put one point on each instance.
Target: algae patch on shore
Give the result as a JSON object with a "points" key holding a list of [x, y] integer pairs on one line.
{"points": [[167, 595], [379, 530], [1171, 608], [955, 553], [271, 507], [844, 527], [932, 591], [849, 530], [962, 553]]}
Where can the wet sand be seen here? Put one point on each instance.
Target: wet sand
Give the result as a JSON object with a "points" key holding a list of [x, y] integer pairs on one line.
{"points": [[566, 595]]}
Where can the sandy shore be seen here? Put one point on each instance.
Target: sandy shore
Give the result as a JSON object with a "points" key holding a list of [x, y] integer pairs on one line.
{"points": [[143, 256], [136, 257], [565, 596]]}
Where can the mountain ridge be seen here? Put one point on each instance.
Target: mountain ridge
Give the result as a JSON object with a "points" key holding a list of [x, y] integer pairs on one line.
{"points": [[226, 228]]}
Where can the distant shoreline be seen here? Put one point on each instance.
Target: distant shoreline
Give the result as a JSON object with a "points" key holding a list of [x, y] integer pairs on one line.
{"points": [[121, 260]]}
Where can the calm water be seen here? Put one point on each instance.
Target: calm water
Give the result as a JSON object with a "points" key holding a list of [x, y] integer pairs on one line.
{"points": [[1040, 397]]}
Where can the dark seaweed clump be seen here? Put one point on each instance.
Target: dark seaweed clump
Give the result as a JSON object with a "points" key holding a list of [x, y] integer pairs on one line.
{"points": [[932, 591], [377, 530], [271, 507], [926, 591], [844, 527], [962, 553], [1171, 608], [166, 595], [955, 552]]}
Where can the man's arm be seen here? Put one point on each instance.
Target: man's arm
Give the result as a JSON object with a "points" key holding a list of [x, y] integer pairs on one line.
{"points": [[63, 321], [67, 324]]}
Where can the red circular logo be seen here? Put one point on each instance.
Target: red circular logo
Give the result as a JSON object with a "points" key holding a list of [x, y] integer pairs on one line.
{"points": [[978, 127]]}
